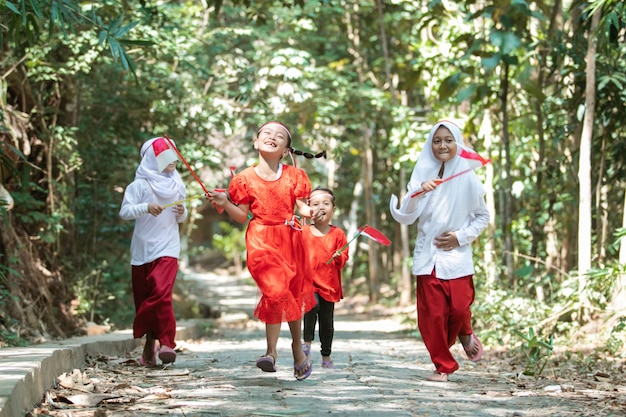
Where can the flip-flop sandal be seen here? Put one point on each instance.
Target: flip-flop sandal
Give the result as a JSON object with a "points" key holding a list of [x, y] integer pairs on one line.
{"points": [[266, 363], [328, 365], [474, 345], [298, 368], [149, 364], [167, 354]]}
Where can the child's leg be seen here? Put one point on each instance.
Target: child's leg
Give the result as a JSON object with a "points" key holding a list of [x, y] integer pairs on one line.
{"points": [[272, 333], [152, 289], [302, 365], [461, 298], [461, 317], [432, 320], [267, 362], [310, 321], [327, 326], [141, 291], [161, 297]]}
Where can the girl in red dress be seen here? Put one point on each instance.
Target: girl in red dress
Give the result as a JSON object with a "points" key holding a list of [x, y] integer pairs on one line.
{"points": [[275, 253]]}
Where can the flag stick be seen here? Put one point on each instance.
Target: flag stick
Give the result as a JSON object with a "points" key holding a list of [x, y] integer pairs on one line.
{"points": [[346, 245], [199, 196], [206, 192], [415, 194]]}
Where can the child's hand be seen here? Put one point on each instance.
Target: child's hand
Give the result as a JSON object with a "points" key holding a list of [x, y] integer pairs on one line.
{"points": [[179, 209], [218, 197], [430, 185], [447, 241], [317, 215], [154, 209]]}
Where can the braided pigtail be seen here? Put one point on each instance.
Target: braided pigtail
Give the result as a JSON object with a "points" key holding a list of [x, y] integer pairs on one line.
{"points": [[307, 154]]}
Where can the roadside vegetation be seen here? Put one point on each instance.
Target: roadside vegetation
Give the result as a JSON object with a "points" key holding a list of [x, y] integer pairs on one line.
{"points": [[538, 87]]}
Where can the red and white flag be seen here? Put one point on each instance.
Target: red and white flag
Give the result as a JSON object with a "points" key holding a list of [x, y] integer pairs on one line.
{"points": [[368, 231], [374, 234], [164, 154], [473, 159]]}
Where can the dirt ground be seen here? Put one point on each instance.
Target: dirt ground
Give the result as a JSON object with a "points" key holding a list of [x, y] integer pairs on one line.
{"points": [[381, 370]]}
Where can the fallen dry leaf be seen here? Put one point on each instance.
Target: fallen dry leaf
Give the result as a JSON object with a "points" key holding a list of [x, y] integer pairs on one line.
{"points": [[89, 400]]}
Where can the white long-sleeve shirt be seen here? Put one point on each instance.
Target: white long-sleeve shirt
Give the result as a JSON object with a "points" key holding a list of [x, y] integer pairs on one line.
{"points": [[457, 262], [456, 205], [153, 237]]}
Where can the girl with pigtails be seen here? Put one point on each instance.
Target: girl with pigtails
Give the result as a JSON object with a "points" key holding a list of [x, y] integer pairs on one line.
{"points": [[276, 257]]}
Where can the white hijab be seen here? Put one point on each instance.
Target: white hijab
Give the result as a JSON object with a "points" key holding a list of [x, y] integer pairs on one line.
{"points": [[454, 200], [167, 187]]}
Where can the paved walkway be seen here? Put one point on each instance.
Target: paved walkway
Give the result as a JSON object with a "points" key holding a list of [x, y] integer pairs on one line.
{"points": [[380, 372]]}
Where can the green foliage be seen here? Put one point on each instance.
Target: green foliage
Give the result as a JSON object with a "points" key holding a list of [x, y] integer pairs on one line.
{"points": [[103, 294], [617, 338], [536, 351], [25, 21], [230, 241], [9, 335], [498, 310], [207, 75]]}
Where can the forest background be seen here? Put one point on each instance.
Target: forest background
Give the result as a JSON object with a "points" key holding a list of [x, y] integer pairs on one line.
{"points": [[539, 88]]}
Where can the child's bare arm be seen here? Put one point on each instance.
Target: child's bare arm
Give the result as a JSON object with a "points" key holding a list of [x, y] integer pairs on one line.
{"points": [[238, 213]]}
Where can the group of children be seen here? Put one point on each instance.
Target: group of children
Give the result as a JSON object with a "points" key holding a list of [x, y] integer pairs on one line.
{"points": [[297, 267]]}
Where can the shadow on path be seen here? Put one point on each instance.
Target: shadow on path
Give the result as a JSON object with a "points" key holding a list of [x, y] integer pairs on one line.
{"points": [[381, 371]]}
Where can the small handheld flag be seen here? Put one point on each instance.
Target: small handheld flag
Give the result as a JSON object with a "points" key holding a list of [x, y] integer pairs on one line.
{"points": [[473, 159], [370, 232], [163, 153]]}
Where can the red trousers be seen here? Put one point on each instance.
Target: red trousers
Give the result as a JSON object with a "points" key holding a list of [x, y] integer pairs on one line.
{"points": [[443, 313], [152, 291]]}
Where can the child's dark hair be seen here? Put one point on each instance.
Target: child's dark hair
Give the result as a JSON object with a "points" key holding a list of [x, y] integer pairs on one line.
{"points": [[324, 191], [307, 155]]}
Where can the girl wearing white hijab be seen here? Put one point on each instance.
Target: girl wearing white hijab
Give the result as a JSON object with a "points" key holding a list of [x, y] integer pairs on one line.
{"points": [[451, 215], [155, 247]]}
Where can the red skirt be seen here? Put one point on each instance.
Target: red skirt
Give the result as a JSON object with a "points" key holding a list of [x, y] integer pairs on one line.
{"points": [[152, 291]]}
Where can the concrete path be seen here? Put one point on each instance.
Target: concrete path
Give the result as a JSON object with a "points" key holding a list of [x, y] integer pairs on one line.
{"points": [[380, 372]]}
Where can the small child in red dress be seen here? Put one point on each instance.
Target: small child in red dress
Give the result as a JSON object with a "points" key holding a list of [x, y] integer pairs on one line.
{"points": [[275, 253], [323, 242]]}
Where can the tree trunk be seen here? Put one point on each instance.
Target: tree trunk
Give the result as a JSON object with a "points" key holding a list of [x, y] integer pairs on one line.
{"points": [[486, 133], [618, 303], [404, 251], [367, 173], [508, 209], [584, 168], [601, 207], [357, 194]]}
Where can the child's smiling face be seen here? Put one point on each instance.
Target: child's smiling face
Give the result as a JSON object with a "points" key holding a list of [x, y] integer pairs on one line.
{"points": [[273, 137], [444, 145]]}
